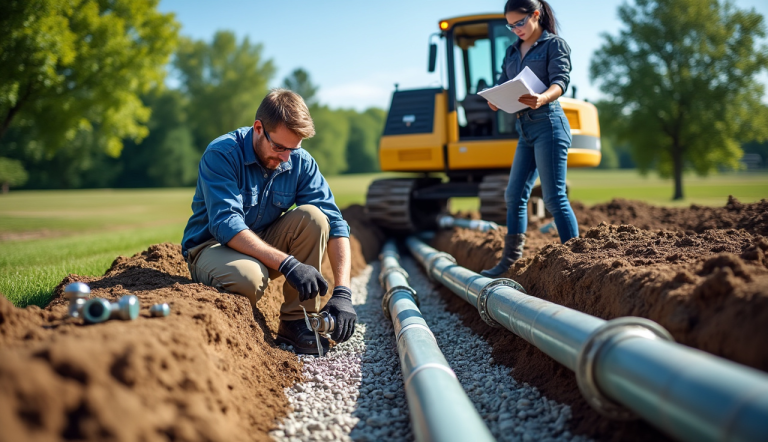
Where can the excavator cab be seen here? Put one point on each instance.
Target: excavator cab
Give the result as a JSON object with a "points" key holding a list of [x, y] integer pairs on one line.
{"points": [[449, 136]]}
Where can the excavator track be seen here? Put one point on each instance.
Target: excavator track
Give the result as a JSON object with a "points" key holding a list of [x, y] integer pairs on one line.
{"points": [[493, 207], [390, 204]]}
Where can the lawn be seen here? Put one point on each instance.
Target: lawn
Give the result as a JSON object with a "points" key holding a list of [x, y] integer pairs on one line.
{"points": [[45, 235]]}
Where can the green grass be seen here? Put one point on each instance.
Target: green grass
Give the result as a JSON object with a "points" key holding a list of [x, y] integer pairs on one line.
{"points": [[45, 235]]}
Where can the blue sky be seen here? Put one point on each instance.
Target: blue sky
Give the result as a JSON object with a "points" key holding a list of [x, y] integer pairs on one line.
{"points": [[357, 50]]}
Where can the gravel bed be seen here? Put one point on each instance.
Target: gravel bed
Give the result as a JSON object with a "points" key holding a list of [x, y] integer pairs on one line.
{"points": [[356, 391]]}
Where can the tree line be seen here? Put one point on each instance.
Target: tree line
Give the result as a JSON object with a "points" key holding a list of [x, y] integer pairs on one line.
{"points": [[83, 99]]}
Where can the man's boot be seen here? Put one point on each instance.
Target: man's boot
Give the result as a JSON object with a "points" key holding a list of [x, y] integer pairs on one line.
{"points": [[300, 337], [513, 250]]}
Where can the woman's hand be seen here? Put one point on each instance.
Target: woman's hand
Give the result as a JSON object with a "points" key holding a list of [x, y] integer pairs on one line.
{"points": [[494, 108], [534, 101]]}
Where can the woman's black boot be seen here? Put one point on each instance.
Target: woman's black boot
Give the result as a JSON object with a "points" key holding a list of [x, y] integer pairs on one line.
{"points": [[513, 250]]}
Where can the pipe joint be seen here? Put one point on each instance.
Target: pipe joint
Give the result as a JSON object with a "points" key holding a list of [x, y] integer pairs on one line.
{"points": [[604, 337], [430, 263], [487, 291], [391, 292], [388, 271]]}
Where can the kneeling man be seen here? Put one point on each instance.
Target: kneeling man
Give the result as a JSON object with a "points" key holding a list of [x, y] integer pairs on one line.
{"points": [[243, 231]]}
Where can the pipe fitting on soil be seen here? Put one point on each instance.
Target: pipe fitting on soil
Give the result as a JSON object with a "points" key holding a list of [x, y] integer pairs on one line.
{"points": [[447, 222], [96, 310], [77, 293], [127, 308], [160, 310], [606, 336]]}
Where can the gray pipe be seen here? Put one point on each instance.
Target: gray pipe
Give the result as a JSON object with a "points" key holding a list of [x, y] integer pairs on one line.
{"points": [[626, 367], [440, 409], [447, 222]]}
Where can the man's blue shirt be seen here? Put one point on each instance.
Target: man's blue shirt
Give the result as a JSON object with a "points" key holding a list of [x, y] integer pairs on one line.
{"points": [[234, 192], [549, 58]]}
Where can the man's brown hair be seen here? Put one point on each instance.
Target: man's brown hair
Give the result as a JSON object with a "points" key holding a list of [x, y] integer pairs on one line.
{"points": [[285, 107]]}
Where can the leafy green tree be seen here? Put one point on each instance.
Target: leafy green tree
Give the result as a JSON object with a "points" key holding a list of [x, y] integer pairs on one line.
{"points": [[225, 82], [299, 82], [176, 160], [12, 173], [68, 66], [168, 156], [683, 75], [328, 146], [364, 134]]}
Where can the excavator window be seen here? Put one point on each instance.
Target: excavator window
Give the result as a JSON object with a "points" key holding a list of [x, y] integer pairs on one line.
{"points": [[478, 51]]}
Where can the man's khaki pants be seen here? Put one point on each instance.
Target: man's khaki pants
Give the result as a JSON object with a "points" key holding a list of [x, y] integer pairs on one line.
{"points": [[302, 232]]}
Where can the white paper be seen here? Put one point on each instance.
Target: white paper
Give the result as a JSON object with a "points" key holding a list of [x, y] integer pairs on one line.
{"points": [[506, 95]]}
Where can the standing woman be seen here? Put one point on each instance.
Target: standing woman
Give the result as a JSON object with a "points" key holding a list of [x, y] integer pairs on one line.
{"points": [[545, 135]]}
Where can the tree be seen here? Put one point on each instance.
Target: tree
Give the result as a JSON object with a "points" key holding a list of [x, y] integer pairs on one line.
{"points": [[68, 66], [168, 156], [12, 173], [299, 82], [682, 74], [364, 134], [225, 82], [328, 146]]}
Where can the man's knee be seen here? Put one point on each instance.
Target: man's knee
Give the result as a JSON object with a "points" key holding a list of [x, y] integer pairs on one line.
{"points": [[314, 219], [250, 284]]}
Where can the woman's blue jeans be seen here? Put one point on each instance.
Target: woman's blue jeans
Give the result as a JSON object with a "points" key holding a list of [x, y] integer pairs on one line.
{"points": [[542, 150]]}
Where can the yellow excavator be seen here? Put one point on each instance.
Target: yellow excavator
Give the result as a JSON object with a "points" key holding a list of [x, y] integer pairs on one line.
{"points": [[452, 140]]}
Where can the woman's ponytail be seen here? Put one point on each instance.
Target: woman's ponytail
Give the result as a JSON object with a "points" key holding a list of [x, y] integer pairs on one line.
{"points": [[546, 17]]}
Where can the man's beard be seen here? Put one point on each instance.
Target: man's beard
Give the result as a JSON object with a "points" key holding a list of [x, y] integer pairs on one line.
{"points": [[268, 162]]}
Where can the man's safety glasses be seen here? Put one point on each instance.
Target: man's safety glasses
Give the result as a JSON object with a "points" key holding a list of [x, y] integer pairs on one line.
{"points": [[276, 147], [518, 24]]}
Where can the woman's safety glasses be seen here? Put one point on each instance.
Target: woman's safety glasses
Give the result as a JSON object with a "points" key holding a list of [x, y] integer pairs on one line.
{"points": [[518, 24]]}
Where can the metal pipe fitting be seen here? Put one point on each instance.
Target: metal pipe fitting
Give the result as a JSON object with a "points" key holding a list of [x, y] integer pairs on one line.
{"points": [[323, 323], [96, 310], [160, 310], [77, 293], [624, 367], [440, 409], [127, 308], [447, 222]]}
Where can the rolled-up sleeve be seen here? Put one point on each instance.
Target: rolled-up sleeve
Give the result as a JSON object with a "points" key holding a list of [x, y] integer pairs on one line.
{"points": [[314, 190], [559, 64], [218, 174]]}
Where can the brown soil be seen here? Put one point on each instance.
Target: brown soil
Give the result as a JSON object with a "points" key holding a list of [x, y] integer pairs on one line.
{"points": [[208, 372], [690, 270]]}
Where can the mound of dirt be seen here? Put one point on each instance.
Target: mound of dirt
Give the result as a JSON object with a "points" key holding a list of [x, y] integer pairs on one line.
{"points": [[208, 372], [734, 215], [707, 286]]}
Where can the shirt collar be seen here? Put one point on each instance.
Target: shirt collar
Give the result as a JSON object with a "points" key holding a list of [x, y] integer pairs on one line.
{"points": [[545, 35], [252, 158], [250, 154]]}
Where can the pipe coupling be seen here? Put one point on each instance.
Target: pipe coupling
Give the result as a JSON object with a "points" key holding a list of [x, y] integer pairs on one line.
{"points": [[388, 271], [388, 296], [96, 310], [323, 323], [127, 308], [78, 294], [160, 310], [430, 262], [605, 336], [488, 290]]}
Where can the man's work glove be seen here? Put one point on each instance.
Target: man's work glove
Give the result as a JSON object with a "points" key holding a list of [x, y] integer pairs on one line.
{"points": [[340, 307], [304, 278]]}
